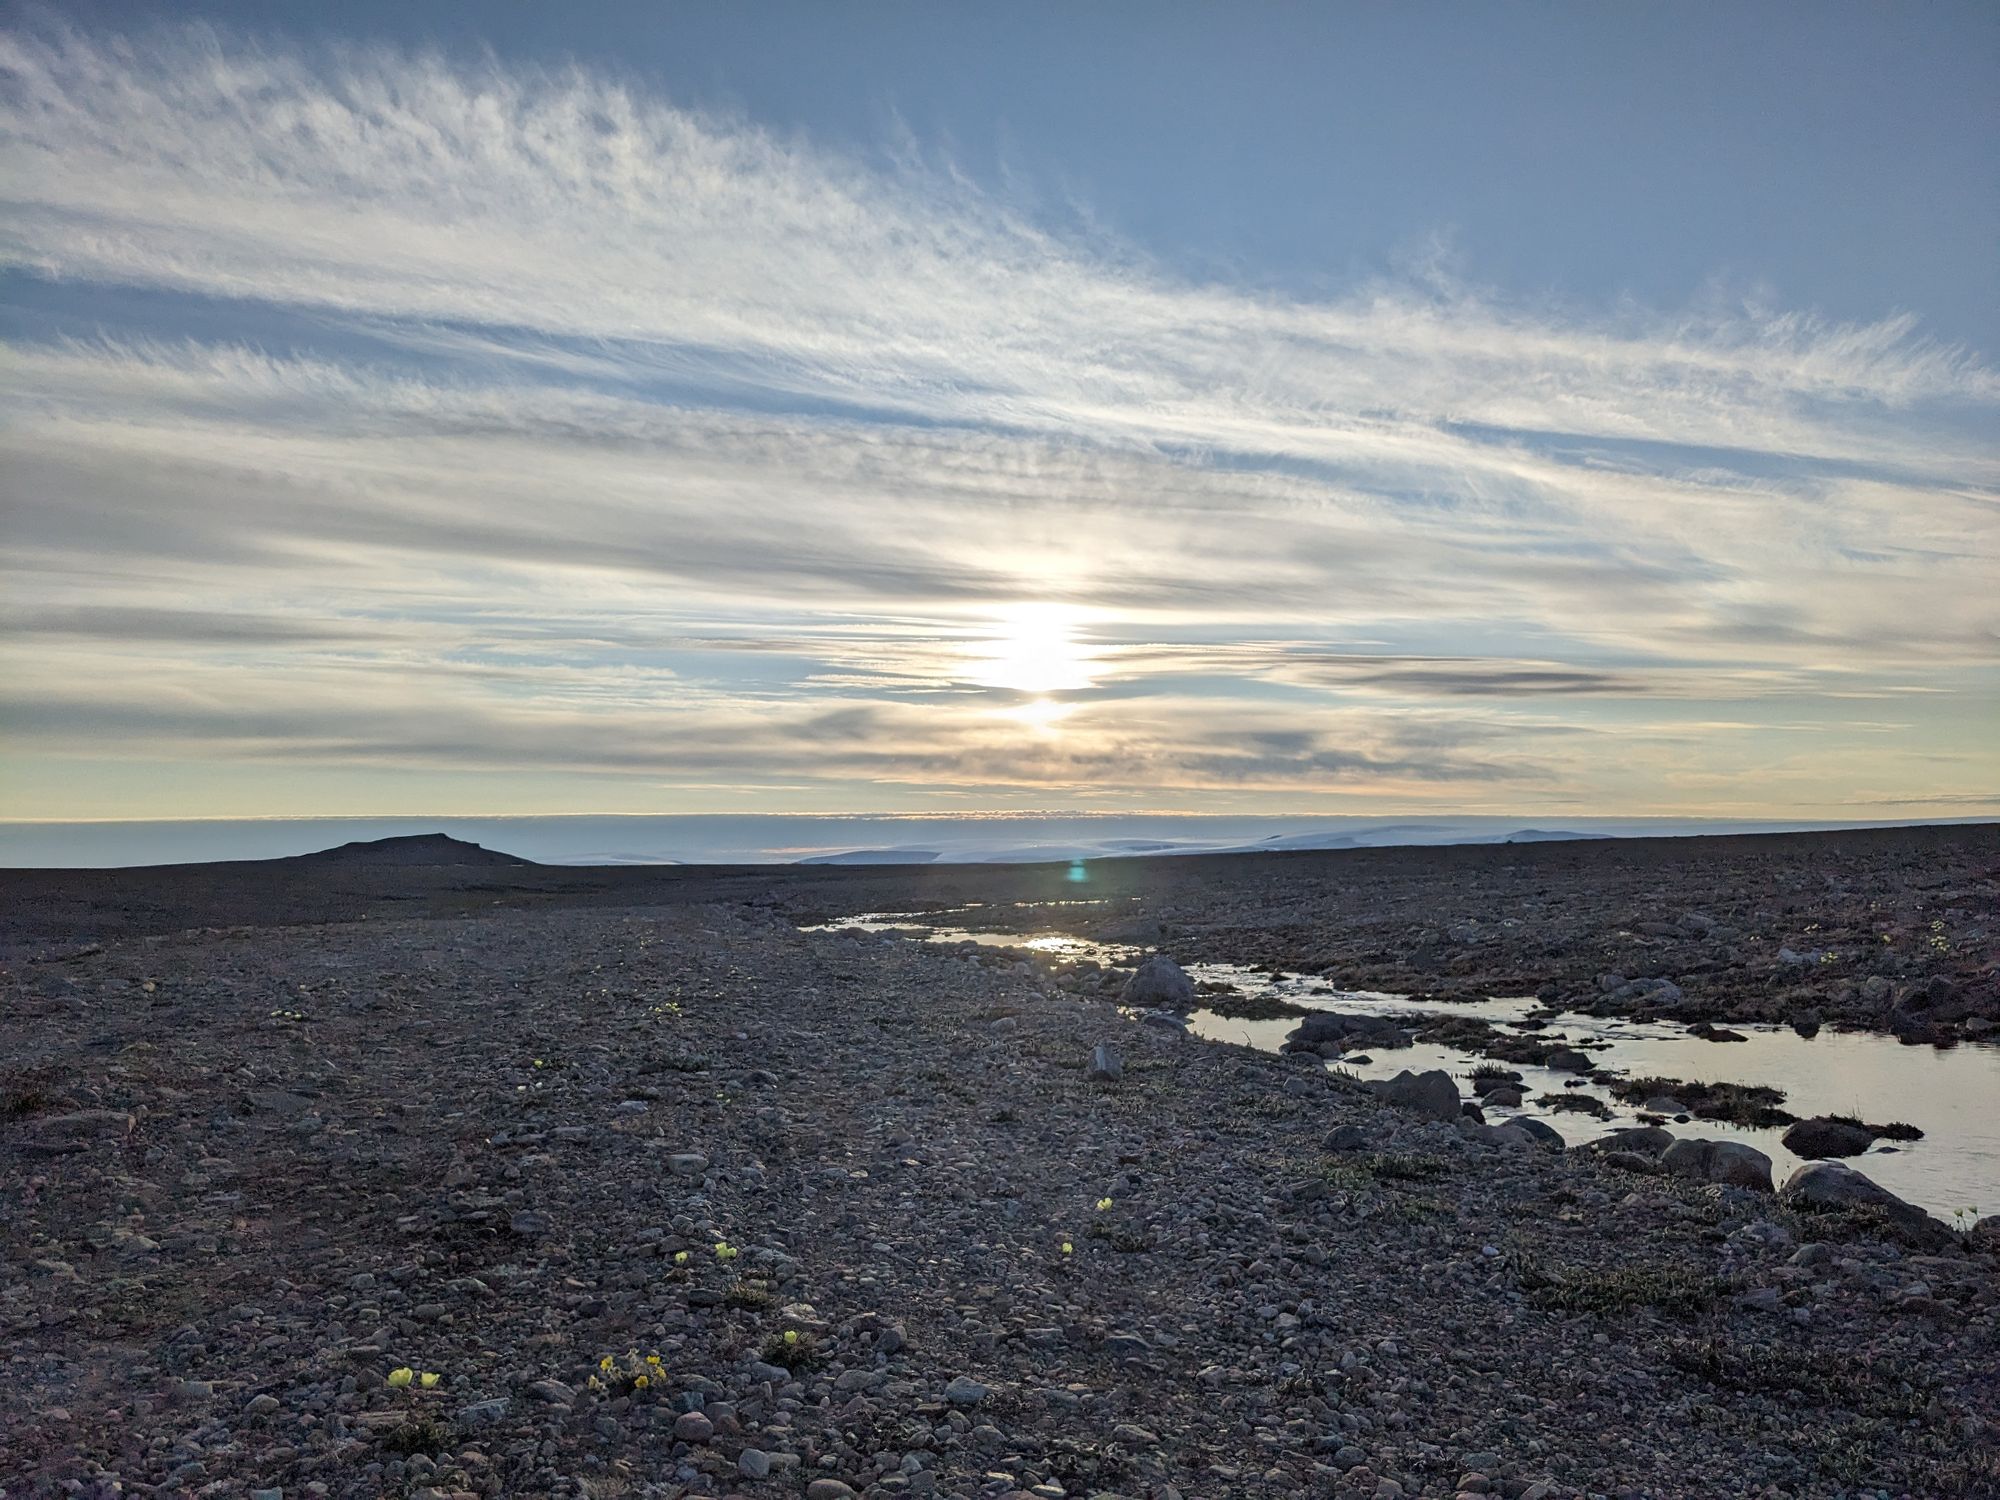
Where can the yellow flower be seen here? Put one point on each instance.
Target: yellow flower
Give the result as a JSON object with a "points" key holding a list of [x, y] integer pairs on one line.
{"points": [[1102, 1204], [652, 1359], [1068, 1248], [791, 1335], [401, 1377], [640, 1382], [680, 1257], [428, 1380]]}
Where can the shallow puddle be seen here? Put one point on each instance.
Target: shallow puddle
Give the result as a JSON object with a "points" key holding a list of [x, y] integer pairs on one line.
{"points": [[1951, 1094]]}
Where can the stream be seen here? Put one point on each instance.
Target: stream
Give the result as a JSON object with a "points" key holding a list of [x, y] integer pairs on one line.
{"points": [[1951, 1094]]}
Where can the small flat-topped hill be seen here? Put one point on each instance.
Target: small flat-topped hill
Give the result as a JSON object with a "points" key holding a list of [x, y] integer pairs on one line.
{"points": [[416, 849]]}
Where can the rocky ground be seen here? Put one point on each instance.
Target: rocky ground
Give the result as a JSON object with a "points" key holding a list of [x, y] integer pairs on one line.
{"points": [[586, 1197], [1891, 930]]}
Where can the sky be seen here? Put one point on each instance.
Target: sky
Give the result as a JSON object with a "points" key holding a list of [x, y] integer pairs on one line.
{"points": [[418, 409]]}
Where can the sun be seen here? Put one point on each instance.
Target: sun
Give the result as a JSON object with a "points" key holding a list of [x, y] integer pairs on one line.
{"points": [[1033, 648]]}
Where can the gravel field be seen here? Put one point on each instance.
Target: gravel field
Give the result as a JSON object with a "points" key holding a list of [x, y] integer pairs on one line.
{"points": [[1892, 930], [664, 1196]]}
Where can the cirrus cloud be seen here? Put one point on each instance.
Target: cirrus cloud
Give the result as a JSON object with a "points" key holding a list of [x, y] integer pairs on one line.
{"points": [[613, 438]]}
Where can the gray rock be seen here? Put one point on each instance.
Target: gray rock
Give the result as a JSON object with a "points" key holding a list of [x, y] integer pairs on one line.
{"points": [[1505, 1097], [484, 1413], [1159, 983], [1541, 1130], [1312, 1031], [1432, 1094], [1729, 1162], [1833, 1185], [965, 1392], [754, 1463], [1569, 1060], [1105, 1064], [1822, 1137], [1646, 1140], [829, 1489], [53, 1135], [693, 1427], [687, 1164], [552, 1391]]}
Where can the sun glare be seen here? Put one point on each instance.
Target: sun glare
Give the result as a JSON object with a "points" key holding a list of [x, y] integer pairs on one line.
{"points": [[1033, 648], [1041, 713]]}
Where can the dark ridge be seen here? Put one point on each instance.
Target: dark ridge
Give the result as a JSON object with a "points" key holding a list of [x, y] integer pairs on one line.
{"points": [[425, 849]]}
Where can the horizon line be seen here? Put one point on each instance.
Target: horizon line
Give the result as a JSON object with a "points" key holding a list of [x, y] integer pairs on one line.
{"points": [[990, 815]]}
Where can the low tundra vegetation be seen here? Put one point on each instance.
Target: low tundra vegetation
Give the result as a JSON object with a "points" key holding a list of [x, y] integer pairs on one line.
{"points": [[1752, 1104], [1676, 1290], [793, 1350]]}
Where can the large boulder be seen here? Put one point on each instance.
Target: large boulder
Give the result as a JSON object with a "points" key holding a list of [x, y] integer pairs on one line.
{"points": [[1329, 1033], [1830, 1185], [1646, 1140], [1822, 1136], [1159, 983], [1433, 1093], [1729, 1162], [1314, 1031], [1545, 1134]]}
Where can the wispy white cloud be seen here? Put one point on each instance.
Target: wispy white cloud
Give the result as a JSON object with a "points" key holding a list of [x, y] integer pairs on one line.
{"points": [[373, 182], [688, 435]]}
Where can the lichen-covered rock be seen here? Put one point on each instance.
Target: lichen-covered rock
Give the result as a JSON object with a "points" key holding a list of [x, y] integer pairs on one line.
{"points": [[1834, 1185]]}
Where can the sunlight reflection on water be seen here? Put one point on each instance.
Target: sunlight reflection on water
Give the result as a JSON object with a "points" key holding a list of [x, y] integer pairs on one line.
{"points": [[1951, 1094]]}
